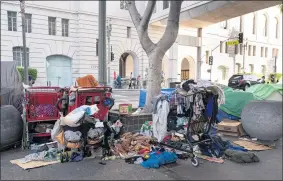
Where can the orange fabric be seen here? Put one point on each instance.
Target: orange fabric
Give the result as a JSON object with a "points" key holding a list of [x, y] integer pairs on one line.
{"points": [[61, 139], [87, 81]]}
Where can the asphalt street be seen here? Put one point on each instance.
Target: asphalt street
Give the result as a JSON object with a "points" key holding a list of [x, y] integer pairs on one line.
{"points": [[269, 168], [125, 96]]}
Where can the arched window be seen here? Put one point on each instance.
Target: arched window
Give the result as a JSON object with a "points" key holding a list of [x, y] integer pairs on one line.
{"points": [[237, 68], [254, 24], [276, 28], [222, 74], [263, 69], [265, 24], [18, 55], [251, 68]]}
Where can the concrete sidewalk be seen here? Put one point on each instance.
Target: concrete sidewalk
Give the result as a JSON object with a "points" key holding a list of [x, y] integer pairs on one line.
{"points": [[269, 168]]}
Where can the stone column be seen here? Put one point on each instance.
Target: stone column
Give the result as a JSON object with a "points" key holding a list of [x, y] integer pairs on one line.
{"points": [[199, 49], [173, 63]]}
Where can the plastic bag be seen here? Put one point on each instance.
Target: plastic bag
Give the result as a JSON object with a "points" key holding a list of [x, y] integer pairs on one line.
{"points": [[73, 118], [117, 126], [56, 130]]}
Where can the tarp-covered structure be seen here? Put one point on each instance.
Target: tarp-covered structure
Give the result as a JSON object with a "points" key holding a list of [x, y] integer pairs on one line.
{"points": [[11, 86], [235, 100]]}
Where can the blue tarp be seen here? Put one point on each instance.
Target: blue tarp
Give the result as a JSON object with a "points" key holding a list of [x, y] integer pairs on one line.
{"points": [[223, 115], [142, 98]]}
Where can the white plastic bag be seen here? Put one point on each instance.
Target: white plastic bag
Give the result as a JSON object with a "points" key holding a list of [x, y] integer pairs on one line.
{"points": [[56, 130], [73, 118]]}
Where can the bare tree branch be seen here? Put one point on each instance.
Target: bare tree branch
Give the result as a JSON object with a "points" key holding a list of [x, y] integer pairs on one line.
{"points": [[148, 13], [172, 28], [135, 15], [141, 24]]}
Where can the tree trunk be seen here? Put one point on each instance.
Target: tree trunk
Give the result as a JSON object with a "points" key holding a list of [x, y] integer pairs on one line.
{"points": [[154, 78], [155, 51]]}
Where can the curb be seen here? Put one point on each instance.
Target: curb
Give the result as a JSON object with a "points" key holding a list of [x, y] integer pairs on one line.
{"points": [[126, 89]]}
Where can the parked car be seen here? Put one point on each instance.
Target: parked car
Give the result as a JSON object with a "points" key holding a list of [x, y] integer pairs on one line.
{"points": [[242, 81]]}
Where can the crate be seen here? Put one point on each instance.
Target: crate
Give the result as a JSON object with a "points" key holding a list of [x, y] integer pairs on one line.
{"points": [[40, 103], [125, 109]]}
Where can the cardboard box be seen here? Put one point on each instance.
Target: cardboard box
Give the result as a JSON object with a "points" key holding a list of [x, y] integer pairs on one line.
{"points": [[231, 128], [125, 108]]}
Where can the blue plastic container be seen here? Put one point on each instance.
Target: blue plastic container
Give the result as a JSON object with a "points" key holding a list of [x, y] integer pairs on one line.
{"points": [[142, 97]]}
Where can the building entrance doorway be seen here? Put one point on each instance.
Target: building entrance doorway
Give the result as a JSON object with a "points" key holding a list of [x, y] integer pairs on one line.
{"points": [[128, 64]]}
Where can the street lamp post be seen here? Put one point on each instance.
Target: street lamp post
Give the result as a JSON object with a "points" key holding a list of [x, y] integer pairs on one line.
{"points": [[26, 79], [102, 43], [109, 30]]}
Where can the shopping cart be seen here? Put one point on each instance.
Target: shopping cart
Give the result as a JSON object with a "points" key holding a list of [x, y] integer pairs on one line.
{"points": [[78, 96], [39, 106], [197, 129]]}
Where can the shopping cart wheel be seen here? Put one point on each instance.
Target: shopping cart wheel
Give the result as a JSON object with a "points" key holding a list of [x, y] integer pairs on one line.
{"points": [[194, 161]]}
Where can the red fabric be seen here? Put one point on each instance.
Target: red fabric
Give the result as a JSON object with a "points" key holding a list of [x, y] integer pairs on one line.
{"points": [[143, 151]]}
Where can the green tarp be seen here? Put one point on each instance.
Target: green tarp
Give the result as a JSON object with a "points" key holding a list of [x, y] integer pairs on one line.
{"points": [[235, 100]]}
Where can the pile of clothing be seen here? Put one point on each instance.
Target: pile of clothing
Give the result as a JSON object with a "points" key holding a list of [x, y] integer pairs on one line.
{"points": [[226, 149]]}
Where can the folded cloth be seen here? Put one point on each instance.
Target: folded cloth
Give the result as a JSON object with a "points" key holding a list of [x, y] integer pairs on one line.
{"points": [[72, 136], [50, 155]]}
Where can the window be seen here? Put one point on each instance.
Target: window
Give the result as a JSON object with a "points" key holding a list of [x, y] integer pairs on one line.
{"points": [[250, 50], [241, 49], [52, 25], [274, 52], [124, 5], [266, 51], [254, 50], [12, 21], [165, 4], [96, 47], [263, 69], [262, 52], [254, 24], [129, 29], [238, 68], [276, 28], [18, 54], [65, 27], [154, 10], [264, 30], [236, 49], [221, 47], [28, 23], [251, 68], [226, 48]]}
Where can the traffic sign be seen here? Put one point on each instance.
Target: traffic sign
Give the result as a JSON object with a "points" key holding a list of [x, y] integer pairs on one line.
{"points": [[232, 43]]}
